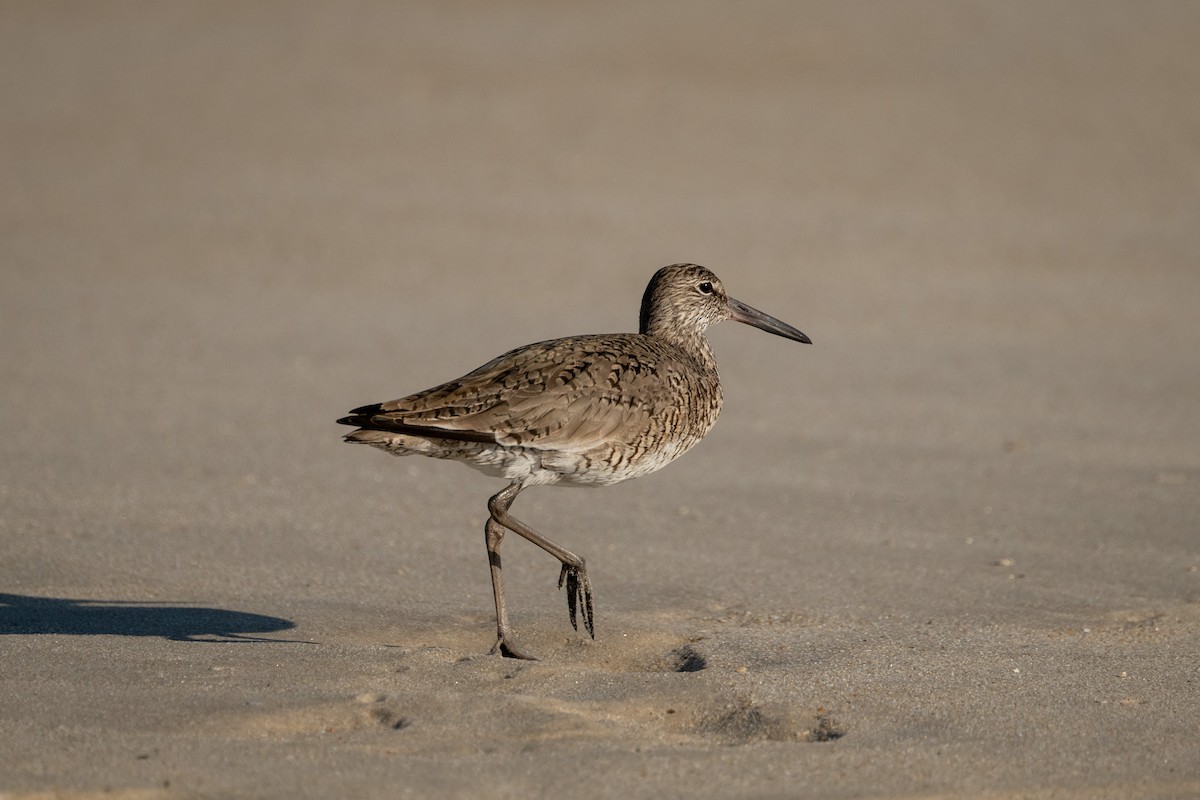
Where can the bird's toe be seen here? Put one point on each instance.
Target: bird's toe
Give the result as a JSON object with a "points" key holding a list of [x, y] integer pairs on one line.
{"points": [[579, 596], [503, 648]]}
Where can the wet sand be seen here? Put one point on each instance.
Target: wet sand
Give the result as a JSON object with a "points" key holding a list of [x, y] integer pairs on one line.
{"points": [[949, 551]]}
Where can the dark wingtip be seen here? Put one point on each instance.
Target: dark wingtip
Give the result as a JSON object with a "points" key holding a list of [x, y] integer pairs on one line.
{"points": [[361, 416], [369, 418]]}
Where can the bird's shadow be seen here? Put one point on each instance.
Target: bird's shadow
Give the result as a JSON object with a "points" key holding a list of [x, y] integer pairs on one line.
{"points": [[21, 614]]}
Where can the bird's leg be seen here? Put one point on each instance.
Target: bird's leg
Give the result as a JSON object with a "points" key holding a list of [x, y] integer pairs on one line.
{"points": [[574, 572], [494, 534]]}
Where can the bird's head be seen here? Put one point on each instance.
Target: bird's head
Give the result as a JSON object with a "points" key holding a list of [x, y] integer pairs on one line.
{"points": [[684, 299]]}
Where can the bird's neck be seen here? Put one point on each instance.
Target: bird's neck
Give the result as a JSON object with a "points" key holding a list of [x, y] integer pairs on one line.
{"points": [[692, 342]]}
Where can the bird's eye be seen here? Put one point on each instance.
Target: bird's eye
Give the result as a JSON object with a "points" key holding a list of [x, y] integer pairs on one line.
{"points": [[705, 287]]}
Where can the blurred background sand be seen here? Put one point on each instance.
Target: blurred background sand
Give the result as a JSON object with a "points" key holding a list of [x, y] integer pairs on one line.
{"points": [[950, 550]]}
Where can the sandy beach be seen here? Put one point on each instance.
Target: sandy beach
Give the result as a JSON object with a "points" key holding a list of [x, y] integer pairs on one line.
{"points": [[951, 550]]}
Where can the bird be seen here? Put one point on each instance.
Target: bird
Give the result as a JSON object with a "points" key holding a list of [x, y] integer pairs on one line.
{"points": [[589, 410]]}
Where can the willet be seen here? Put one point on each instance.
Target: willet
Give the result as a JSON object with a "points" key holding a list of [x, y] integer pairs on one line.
{"points": [[583, 410]]}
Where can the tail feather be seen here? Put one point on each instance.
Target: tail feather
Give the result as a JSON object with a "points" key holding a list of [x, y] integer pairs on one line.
{"points": [[369, 418], [367, 411], [361, 416]]}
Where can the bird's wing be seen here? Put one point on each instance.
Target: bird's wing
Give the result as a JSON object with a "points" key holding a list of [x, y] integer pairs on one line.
{"points": [[549, 395]]}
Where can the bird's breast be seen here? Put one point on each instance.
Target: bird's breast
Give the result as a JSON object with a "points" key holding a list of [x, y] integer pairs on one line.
{"points": [[657, 429]]}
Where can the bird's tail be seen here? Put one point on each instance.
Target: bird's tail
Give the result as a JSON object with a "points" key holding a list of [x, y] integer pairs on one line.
{"points": [[361, 417], [368, 436]]}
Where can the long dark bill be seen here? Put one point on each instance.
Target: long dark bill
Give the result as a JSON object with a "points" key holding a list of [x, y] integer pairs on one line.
{"points": [[764, 322]]}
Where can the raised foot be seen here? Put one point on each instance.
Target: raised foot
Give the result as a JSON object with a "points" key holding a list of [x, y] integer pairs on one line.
{"points": [[579, 595], [503, 648]]}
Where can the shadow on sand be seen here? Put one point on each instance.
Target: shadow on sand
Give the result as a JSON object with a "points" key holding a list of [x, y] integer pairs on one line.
{"points": [[20, 614]]}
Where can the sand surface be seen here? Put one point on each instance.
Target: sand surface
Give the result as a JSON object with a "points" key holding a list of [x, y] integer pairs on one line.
{"points": [[948, 551]]}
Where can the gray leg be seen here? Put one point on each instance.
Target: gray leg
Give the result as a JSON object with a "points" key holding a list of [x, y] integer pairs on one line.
{"points": [[494, 533], [574, 572]]}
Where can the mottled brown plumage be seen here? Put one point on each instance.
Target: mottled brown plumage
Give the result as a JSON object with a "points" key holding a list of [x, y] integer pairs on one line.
{"points": [[583, 410]]}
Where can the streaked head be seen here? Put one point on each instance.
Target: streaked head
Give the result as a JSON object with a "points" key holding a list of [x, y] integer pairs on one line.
{"points": [[684, 299]]}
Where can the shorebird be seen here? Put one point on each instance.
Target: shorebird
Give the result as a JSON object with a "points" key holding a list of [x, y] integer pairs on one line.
{"points": [[583, 410]]}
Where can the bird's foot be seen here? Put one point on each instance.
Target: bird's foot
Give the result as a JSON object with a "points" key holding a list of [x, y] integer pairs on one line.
{"points": [[502, 647], [579, 595]]}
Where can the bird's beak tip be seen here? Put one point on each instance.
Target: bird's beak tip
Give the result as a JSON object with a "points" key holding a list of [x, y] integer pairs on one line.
{"points": [[741, 312]]}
